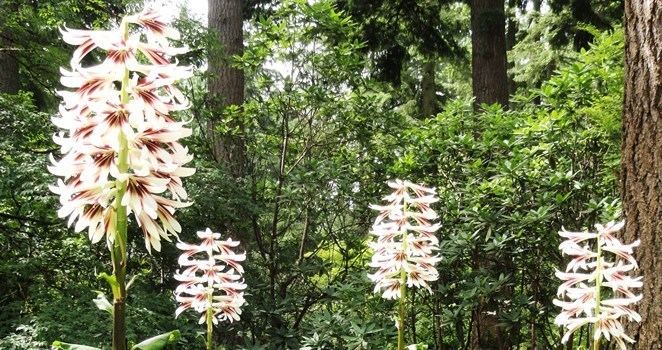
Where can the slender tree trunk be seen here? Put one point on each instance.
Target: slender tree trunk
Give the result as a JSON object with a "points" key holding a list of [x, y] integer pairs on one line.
{"points": [[641, 169], [8, 66], [428, 89], [485, 331], [512, 26], [536, 5], [226, 85], [488, 58]]}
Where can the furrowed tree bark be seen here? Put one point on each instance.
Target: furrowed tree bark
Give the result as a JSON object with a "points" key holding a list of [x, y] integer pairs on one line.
{"points": [[226, 85], [8, 66], [641, 163], [488, 52], [428, 89]]}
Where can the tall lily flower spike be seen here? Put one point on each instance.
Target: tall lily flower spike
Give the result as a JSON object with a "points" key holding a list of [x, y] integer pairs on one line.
{"points": [[405, 240], [598, 288], [118, 137], [211, 282]]}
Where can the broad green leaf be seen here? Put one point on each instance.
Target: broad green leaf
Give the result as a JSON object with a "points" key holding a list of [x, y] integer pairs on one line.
{"points": [[66, 346], [158, 342]]}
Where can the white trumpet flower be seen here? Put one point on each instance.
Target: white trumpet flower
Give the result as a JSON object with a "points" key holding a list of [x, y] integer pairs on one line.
{"points": [[122, 141], [405, 242], [211, 282], [600, 292]]}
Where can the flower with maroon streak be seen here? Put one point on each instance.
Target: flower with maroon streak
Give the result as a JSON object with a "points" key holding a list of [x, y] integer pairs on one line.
{"points": [[88, 40], [405, 239], [211, 279], [598, 288], [154, 22], [94, 116]]}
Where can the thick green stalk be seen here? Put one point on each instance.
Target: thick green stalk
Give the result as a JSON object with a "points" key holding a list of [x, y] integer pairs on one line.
{"points": [[402, 312], [118, 251], [210, 322], [598, 286]]}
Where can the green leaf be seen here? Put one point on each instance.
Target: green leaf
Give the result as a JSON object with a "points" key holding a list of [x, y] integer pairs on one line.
{"points": [[66, 346], [158, 342], [112, 281]]}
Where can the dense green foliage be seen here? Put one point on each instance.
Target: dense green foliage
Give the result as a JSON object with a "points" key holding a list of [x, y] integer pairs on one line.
{"points": [[323, 135]]}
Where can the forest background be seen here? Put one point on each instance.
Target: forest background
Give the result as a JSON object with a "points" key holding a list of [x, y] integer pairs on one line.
{"points": [[513, 110]]}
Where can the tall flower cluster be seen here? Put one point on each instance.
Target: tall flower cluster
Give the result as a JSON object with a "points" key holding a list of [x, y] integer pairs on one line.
{"points": [[211, 282], [119, 139], [405, 240], [597, 284]]}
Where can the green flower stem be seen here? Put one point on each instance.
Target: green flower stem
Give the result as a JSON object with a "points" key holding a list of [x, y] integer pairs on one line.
{"points": [[598, 287], [402, 311], [118, 250], [403, 291], [210, 322]]}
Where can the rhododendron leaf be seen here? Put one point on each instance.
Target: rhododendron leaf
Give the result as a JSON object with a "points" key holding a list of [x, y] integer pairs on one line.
{"points": [[159, 342]]}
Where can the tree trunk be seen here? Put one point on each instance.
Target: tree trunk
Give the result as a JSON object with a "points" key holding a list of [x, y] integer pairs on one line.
{"points": [[512, 26], [226, 85], [428, 89], [583, 13], [641, 169], [485, 332], [8, 66], [488, 57], [490, 85]]}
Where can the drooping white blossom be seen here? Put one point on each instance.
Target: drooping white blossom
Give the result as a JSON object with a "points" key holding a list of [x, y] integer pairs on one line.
{"points": [[96, 118], [212, 278], [405, 239], [596, 286]]}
